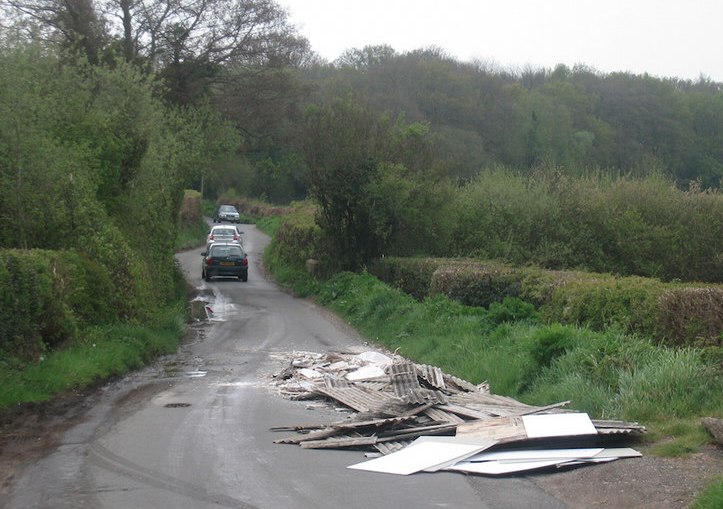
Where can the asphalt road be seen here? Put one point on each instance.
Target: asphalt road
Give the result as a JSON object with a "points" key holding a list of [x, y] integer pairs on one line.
{"points": [[193, 430]]}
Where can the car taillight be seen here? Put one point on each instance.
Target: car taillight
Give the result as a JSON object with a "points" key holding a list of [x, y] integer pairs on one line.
{"points": [[235, 237], [245, 262], [210, 237], [209, 261]]}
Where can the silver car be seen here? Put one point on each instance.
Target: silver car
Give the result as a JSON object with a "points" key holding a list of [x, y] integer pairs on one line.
{"points": [[226, 213]]}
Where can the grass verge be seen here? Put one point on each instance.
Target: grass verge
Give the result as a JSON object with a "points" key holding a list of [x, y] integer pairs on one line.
{"points": [[191, 235], [712, 497], [103, 352]]}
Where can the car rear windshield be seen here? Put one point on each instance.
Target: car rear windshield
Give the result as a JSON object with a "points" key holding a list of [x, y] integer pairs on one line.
{"points": [[226, 252], [224, 232]]}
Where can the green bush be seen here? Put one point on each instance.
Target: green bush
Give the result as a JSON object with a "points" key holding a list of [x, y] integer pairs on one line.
{"points": [[550, 343], [629, 226], [46, 296], [298, 238], [33, 316], [512, 309], [601, 301]]}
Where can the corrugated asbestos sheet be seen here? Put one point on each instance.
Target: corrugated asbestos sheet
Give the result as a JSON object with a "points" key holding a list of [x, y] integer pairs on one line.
{"points": [[413, 400], [357, 398]]}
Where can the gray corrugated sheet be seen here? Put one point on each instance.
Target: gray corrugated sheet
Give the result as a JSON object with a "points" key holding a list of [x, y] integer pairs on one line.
{"points": [[357, 398], [432, 375], [404, 378], [453, 382], [390, 447], [438, 414], [373, 386], [332, 381], [617, 427], [421, 396]]}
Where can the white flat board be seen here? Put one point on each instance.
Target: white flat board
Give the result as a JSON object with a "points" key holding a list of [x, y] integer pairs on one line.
{"points": [[558, 425], [536, 455], [499, 468], [424, 454]]}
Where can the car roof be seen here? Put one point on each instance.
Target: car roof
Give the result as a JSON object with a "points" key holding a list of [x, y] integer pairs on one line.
{"points": [[233, 245], [224, 227]]}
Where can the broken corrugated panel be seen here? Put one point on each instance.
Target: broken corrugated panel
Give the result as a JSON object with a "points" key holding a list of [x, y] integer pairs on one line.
{"points": [[465, 411], [432, 375], [355, 397], [421, 396], [617, 427], [404, 378], [391, 446], [452, 382], [332, 382], [373, 386], [438, 414]]}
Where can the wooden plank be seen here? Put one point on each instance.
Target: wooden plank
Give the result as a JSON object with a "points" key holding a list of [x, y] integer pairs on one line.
{"points": [[544, 408], [416, 432], [502, 429], [334, 443]]}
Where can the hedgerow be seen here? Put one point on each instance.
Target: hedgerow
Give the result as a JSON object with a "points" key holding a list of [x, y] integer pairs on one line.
{"points": [[674, 313]]}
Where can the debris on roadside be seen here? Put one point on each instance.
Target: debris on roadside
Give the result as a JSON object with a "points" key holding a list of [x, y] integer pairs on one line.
{"points": [[411, 417]]}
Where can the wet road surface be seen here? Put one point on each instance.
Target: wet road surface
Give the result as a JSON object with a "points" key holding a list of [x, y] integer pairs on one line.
{"points": [[193, 430]]}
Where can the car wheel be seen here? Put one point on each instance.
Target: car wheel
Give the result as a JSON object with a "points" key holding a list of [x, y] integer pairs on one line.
{"points": [[244, 277], [206, 276]]}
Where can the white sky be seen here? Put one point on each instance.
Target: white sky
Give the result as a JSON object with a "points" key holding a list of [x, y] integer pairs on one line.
{"points": [[666, 38]]}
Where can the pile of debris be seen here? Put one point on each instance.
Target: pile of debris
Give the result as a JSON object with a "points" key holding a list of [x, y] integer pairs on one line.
{"points": [[413, 417]]}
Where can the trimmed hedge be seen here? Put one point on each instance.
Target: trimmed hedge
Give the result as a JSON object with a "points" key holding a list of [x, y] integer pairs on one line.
{"points": [[45, 296], [695, 313], [674, 313], [411, 275]]}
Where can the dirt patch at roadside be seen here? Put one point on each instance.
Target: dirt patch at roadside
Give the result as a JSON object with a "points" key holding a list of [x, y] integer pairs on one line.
{"points": [[649, 482], [29, 432]]}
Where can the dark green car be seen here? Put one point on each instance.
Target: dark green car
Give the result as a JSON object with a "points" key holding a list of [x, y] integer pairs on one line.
{"points": [[225, 260]]}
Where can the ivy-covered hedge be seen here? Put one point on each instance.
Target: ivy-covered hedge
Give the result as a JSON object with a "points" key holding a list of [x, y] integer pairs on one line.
{"points": [[45, 296], [675, 313], [298, 238]]}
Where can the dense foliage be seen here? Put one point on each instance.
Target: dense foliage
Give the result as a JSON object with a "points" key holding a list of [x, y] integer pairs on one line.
{"points": [[92, 171]]}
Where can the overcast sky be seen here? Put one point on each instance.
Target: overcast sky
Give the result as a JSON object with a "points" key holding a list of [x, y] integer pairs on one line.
{"points": [[666, 38]]}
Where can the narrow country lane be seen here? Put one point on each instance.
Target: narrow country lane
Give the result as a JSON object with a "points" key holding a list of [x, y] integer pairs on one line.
{"points": [[193, 430]]}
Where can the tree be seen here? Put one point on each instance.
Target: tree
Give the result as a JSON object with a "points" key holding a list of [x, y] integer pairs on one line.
{"points": [[187, 41], [361, 171], [73, 24]]}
